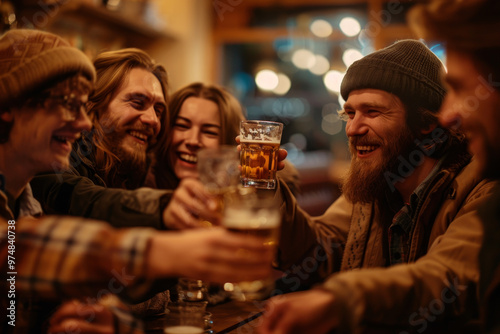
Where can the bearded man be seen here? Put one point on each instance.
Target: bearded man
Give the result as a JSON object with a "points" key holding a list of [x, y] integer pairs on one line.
{"points": [[109, 163], [398, 250], [127, 109]]}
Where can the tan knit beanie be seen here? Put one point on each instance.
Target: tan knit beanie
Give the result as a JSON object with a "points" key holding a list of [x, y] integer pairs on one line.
{"points": [[31, 58], [407, 69]]}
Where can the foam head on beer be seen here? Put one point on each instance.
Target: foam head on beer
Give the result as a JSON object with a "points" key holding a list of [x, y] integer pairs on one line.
{"points": [[260, 142]]}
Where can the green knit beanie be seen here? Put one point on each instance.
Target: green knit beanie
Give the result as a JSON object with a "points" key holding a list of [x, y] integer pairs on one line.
{"points": [[407, 69], [31, 58]]}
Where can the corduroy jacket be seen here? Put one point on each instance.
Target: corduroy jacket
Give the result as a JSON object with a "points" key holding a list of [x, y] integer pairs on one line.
{"points": [[344, 249]]}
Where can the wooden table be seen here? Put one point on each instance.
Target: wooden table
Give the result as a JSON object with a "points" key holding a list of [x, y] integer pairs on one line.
{"points": [[236, 317], [230, 317]]}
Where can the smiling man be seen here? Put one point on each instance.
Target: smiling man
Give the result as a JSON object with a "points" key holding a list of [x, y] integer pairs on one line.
{"points": [[110, 162], [402, 241], [126, 108], [470, 32]]}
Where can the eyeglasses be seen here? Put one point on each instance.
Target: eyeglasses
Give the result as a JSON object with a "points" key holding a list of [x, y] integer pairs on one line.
{"points": [[71, 104]]}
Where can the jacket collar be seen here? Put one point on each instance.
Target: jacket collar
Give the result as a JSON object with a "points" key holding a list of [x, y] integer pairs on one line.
{"points": [[28, 205]]}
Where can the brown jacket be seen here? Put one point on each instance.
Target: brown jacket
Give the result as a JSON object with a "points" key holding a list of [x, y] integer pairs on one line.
{"points": [[437, 284], [489, 265]]}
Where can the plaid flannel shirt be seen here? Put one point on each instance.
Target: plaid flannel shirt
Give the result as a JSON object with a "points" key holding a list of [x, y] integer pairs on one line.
{"points": [[57, 257]]}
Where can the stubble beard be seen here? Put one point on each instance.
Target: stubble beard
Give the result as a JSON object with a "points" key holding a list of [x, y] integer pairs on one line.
{"points": [[365, 181]]}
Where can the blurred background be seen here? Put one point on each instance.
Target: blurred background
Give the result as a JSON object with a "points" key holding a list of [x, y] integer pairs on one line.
{"points": [[283, 59]]}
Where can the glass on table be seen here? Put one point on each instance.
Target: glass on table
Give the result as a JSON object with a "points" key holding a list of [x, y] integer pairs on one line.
{"points": [[218, 171], [187, 318], [260, 142], [188, 314]]}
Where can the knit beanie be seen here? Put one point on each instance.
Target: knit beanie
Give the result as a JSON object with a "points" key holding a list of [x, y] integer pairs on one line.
{"points": [[407, 69], [31, 58]]}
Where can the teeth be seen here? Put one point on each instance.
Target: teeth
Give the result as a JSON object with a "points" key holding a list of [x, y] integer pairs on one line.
{"points": [[188, 157], [61, 138], [139, 135], [366, 148]]}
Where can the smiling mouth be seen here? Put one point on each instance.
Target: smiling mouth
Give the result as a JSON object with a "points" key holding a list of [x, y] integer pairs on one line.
{"points": [[192, 159], [363, 150], [63, 140], [141, 137], [60, 139]]}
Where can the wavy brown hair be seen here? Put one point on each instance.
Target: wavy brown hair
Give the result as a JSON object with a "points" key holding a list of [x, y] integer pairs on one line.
{"points": [[231, 114], [112, 68]]}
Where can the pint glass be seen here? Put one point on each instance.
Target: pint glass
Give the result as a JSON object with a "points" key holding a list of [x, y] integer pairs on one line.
{"points": [[261, 217], [260, 141]]}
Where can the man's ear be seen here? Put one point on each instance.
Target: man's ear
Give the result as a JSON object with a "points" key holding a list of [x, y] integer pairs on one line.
{"points": [[429, 129]]}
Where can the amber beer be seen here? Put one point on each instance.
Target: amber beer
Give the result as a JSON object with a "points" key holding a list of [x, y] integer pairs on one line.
{"points": [[263, 222], [260, 142], [219, 196]]}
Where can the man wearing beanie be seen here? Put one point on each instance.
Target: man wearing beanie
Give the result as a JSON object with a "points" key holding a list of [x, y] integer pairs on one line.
{"points": [[45, 84], [109, 164], [397, 252]]}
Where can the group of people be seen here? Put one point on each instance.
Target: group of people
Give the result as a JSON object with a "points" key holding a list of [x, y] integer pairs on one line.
{"points": [[99, 194]]}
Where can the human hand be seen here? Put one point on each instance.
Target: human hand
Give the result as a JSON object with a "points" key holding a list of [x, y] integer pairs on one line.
{"points": [[282, 154], [84, 318], [213, 255], [310, 311], [190, 202]]}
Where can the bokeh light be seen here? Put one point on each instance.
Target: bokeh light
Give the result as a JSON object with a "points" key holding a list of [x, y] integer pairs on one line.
{"points": [[332, 80], [350, 56], [266, 80], [284, 84], [350, 26], [321, 65], [321, 28], [303, 58]]}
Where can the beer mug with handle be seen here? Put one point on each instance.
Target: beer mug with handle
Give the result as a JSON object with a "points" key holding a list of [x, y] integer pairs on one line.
{"points": [[260, 142]]}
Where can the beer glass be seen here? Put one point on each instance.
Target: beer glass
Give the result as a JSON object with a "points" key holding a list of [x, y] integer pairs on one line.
{"points": [[260, 141], [259, 216], [218, 171], [190, 290], [186, 318]]}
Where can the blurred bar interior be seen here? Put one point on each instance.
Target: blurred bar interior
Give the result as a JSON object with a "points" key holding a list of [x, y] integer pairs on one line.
{"points": [[283, 59]]}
